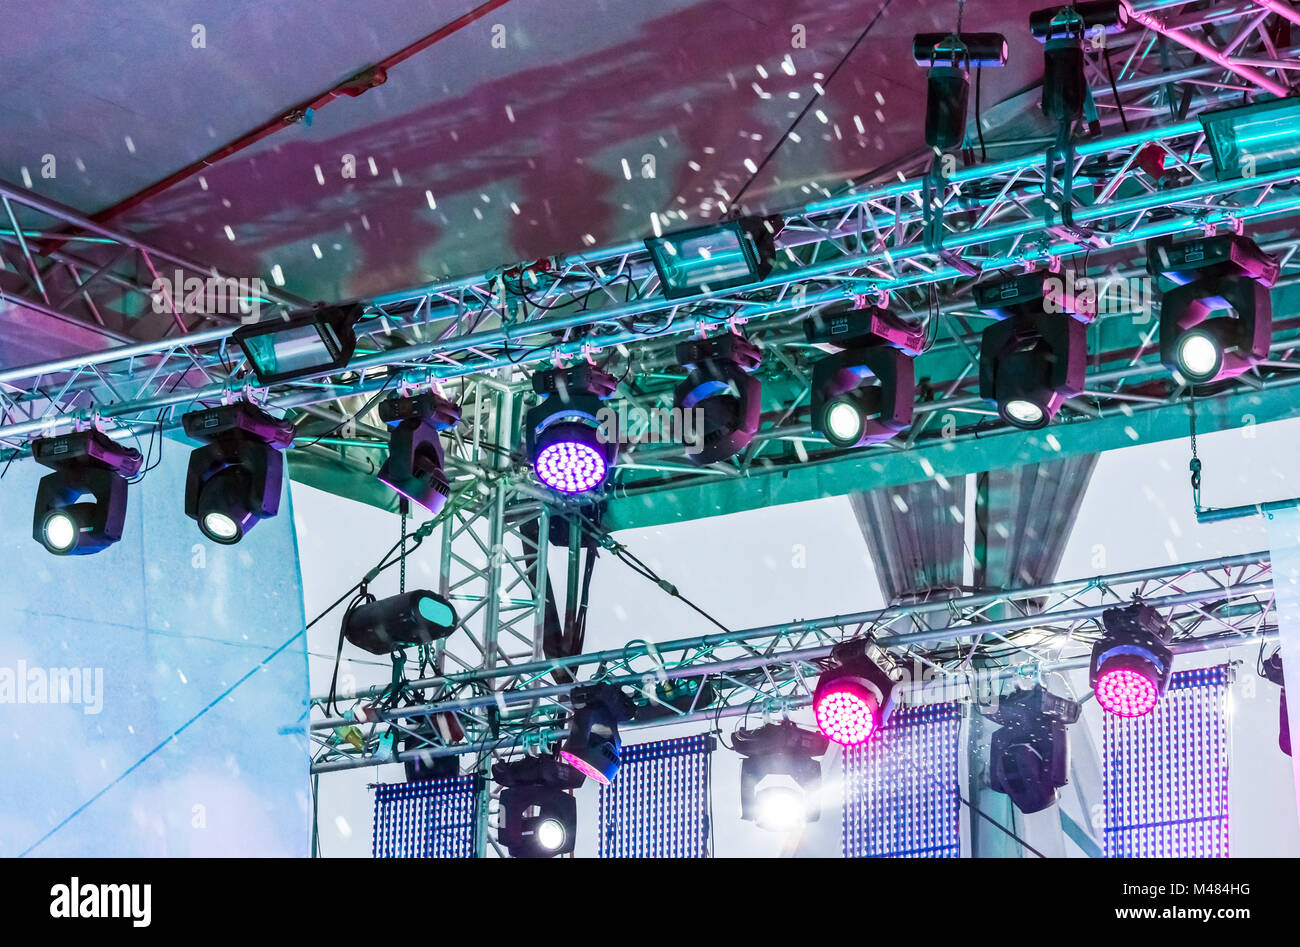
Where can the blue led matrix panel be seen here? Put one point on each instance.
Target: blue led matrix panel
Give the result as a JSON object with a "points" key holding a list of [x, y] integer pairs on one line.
{"points": [[431, 819], [901, 796], [1166, 774], [658, 804]]}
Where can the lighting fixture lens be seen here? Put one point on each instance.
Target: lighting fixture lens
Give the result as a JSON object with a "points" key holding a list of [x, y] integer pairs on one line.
{"points": [[780, 809], [551, 834], [843, 422], [585, 768], [1251, 140], [1126, 692], [1024, 412], [571, 467], [846, 713], [59, 531], [221, 527], [1198, 356]]}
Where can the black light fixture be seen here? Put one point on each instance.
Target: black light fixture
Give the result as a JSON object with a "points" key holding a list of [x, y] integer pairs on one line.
{"points": [[414, 466], [312, 342], [721, 386], [234, 480], [780, 779], [572, 450], [593, 746], [1273, 673], [405, 620], [863, 393], [86, 464], [1131, 663], [949, 58], [717, 257], [1029, 756], [854, 695], [1061, 30], [1033, 360], [1217, 321], [539, 815]]}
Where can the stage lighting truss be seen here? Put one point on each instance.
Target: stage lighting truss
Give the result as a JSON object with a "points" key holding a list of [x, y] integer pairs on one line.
{"points": [[1029, 755], [773, 668], [863, 393], [539, 815], [85, 464], [314, 342], [571, 441], [854, 696], [593, 745], [780, 777], [714, 258], [234, 480], [949, 58], [405, 620], [1033, 360], [1217, 322], [721, 388], [414, 466], [1130, 666]]}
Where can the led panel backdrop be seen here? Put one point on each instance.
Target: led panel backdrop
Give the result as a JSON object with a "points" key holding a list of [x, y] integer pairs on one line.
{"points": [[901, 798], [431, 819], [658, 804], [1166, 774]]}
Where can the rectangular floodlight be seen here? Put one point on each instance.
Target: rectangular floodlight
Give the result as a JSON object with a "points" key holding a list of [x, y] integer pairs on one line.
{"points": [[307, 343], [707, 259], [1254, 139]]}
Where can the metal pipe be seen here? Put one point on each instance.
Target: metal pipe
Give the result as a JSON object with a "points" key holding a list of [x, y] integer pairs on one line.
{"points": [[1155, 22]]}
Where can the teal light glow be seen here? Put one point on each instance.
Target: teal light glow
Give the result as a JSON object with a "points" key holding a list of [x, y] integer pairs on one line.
{"points": [[1254, 139]]}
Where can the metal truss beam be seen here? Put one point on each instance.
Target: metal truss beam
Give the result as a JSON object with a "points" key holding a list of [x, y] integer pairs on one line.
{"points": [[946, 646]]}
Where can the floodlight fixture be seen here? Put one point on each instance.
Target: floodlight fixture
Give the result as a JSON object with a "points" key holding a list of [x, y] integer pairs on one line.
{"points": [[1217, 322], [414, 466], [1033, 360], [854, 696], [1131, 663], [80, 508], [593, 746], [714, 258], [1251, 140], [571, 447], [862, 393], [311, 342], [721, 387], [405, 620], [539, 815], [1029, 756], [235, 479], [780, 779]]}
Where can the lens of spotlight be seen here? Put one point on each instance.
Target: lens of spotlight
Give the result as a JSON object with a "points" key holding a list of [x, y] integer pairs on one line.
{"points": [[846, 712], [1023, 413], [1127, 692], [551, 834], [1199, 356], [224, 516], [59, 532], [843, 422], [221, 527], [780, 809], [570, 459]]}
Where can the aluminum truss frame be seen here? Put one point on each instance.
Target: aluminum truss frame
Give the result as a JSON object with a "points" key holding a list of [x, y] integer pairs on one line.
{"points": [[949, 648], [870, 240]]}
